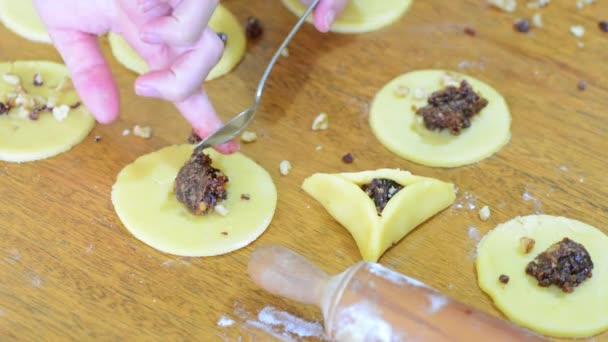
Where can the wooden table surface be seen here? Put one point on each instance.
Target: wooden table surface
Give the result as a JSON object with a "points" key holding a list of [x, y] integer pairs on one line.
{"points": [[70, 270]]}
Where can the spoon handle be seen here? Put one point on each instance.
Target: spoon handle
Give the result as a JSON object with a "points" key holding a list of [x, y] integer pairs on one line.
{"points": [[274, 59]]}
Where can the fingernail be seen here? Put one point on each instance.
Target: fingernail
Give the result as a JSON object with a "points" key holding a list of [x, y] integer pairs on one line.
{"points": [[146, 5], [145, 90], [329, 18], [150, 37]]}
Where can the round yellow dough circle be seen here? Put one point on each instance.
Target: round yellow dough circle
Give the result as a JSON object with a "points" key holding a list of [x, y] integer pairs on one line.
{"points": [[547, 310], [360, 16], [21, 17], [221, 21], [144, 200], [24, 140], [396, 125]]}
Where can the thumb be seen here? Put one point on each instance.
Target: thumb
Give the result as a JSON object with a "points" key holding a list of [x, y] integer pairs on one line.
{"points": [[90, 72], [326, 13]]}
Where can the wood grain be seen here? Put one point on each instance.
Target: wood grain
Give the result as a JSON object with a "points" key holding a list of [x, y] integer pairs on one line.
{"points": [[69, 269]]}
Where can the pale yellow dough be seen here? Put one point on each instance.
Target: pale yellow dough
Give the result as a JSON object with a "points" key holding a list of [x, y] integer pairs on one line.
{"points": [[548, 310], [21, 17], [342, 197], [221, 21], [360, 16], [145, 203], [23, 140], [396, 125]]}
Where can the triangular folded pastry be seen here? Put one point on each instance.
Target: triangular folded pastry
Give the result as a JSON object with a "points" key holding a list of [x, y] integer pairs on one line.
{"points": [[401, 202]]}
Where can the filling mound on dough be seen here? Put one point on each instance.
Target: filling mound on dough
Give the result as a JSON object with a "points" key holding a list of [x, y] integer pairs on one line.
{"points": [[565, 264], [381, 191], [200, 186], [452, 108]]}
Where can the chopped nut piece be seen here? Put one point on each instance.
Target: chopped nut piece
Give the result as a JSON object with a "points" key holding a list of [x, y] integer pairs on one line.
{"points": [[538, 4], [285, 167], [245, 197], [419, 94], [580, 4], [254, 28], [319, 148], [61, 113], [537, 20], [321, 122], [11, 78], [522, 25], [505, 5], [143, 132], [565, 264], [25, 100], [381, 191], [348, 158], [577, 30], [503, 279], [35, 113], [223, 37], [126, 132], [249, 137], [285, 52], [38, 80], [582, 85], [470, 31], [401, 91], [200, 186], [450, 79], [51, 102], [97, 138], [603, 25], [224, 233], [220, 209], [484, 213], [526, 244]]}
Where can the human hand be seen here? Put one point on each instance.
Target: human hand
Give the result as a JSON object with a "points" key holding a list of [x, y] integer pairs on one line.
{"points": [[171, 35], [326, 12]]}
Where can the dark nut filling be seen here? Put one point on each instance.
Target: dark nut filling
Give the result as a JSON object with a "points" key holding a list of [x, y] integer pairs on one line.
{"points": [[254, 28], [199, 186], [452, 108], [381, 191], [348, 158], [503, 279], [35, 113], [4, 108], [522, 25], [194, 138], [565, 264]]}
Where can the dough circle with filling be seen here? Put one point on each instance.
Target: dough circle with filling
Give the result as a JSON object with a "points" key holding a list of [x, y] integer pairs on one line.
{"points": [[221, 21], [396, 125], [144, 200], [21, 17], [360, 16], [547, 310], [23, 139]]}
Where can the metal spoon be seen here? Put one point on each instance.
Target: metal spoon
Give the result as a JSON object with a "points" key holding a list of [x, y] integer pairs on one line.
{"points": [[237, 124]]}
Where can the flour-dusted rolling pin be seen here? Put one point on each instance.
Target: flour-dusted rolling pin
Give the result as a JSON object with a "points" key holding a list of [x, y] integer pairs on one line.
{"points": [[369, 302]]}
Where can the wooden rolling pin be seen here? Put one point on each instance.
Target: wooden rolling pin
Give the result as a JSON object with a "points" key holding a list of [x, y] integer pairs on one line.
{"points": [[369, 302]]}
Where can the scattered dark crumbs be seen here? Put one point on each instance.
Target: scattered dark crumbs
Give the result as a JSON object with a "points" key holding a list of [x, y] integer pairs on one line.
{"points": [[522, 25], [503, 279], [4, 108], [470, 31], [97, 138], [245, 197], [35, 113], [603, 26], [224, 233], [38, 80], [348, 158], [194, 138], [381, 191], [75, 105], [452, 108], [254, 28], [199, 186], [565, 264], [582, 85], [223, 37]]}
